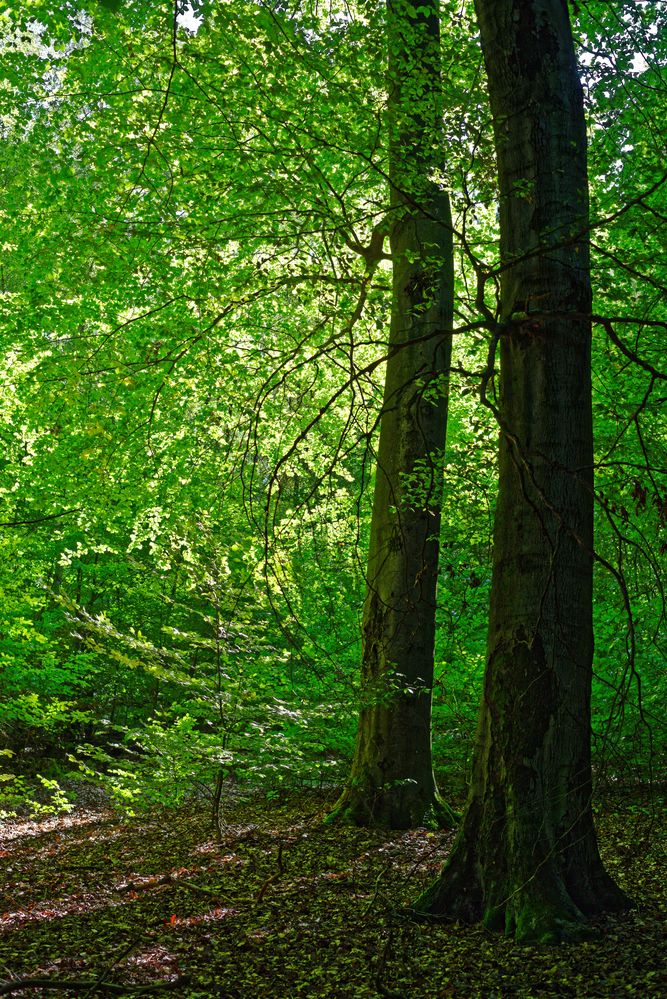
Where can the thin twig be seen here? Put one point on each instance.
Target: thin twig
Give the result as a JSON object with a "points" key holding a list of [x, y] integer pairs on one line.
{"points": [[76, 985]]}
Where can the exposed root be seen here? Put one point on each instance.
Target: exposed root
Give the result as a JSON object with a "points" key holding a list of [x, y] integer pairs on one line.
{"points": [[391, 811]]}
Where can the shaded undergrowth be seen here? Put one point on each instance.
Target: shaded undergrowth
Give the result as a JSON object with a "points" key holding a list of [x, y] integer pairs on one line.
{"points": [[284, 906]]}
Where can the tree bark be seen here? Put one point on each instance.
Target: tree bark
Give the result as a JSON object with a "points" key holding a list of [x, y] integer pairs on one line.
{"points": [[391, 781], [526, 859]]}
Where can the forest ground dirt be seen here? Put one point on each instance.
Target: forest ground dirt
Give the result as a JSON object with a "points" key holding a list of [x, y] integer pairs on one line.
{"points": [[284, 906]]}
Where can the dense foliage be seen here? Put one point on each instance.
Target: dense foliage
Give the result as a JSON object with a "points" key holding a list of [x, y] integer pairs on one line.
{"points": [[193, 330]]}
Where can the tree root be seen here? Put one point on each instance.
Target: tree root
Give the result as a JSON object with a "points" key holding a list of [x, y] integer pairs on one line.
{"points": [[356, 809]]}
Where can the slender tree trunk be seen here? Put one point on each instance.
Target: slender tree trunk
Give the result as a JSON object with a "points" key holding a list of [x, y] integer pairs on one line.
{"points": [[391, 782], [526, 859]]}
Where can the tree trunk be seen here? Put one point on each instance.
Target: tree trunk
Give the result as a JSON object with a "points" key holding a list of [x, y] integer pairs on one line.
{"points": [[526, 859], [391, 782]]}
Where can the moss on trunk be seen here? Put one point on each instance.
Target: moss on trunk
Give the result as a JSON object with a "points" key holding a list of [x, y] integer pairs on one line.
{"points": [[391, 781], [526, 860]]}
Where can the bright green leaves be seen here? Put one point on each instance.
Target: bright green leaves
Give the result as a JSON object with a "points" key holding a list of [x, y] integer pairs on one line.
{"points": [[192, 331]]}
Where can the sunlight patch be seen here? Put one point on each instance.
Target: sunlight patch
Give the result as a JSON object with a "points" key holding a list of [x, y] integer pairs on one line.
{"points": [[213, 915]]}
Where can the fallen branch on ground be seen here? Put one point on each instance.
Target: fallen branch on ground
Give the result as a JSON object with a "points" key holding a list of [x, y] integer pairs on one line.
{"points": [[93, 986]]}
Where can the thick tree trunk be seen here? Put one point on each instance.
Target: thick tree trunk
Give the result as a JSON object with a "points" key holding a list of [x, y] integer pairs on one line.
{"points": [[526, 859], [391, 782]]}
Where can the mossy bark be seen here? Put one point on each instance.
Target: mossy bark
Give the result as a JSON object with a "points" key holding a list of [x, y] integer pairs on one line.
{"points": [[526, 859], [391, 781]]}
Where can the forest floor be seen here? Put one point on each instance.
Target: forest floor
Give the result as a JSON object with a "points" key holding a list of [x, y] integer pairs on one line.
{"points": [[285, 907]]}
